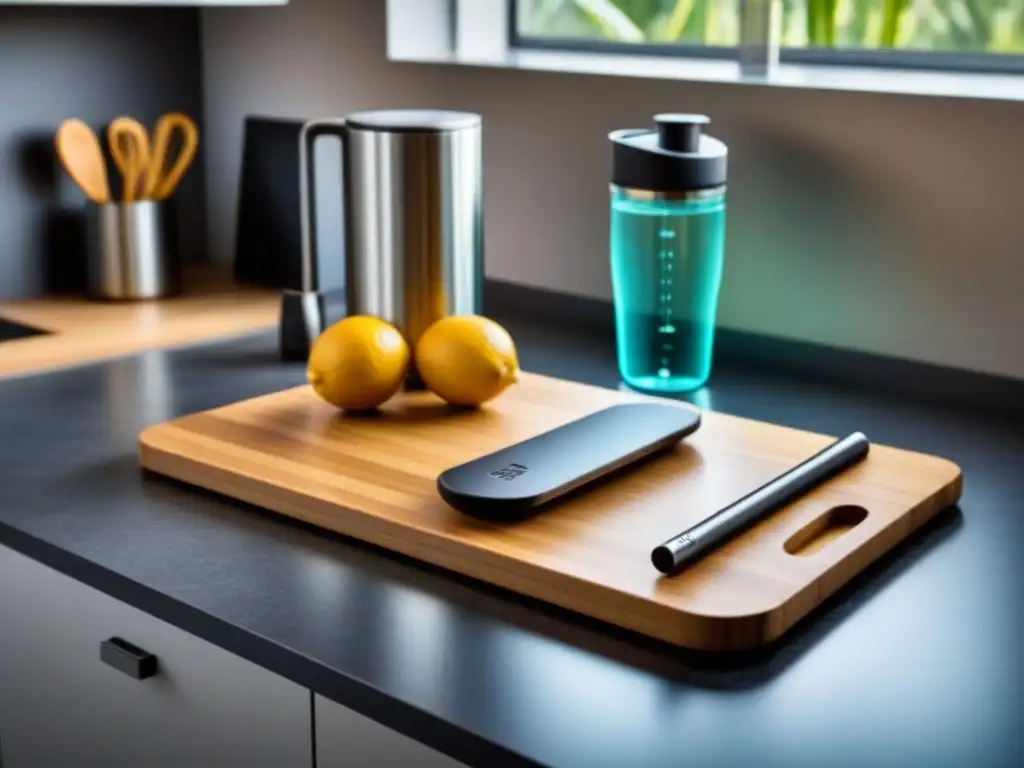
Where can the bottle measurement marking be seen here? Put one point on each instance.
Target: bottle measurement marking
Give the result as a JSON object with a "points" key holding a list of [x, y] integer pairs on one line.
{"points": [[666, 330]]}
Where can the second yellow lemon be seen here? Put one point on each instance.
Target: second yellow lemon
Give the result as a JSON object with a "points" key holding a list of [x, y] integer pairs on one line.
{"points": [[467, 359], [358, 363]]}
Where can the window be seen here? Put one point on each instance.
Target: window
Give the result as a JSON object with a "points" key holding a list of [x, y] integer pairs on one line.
{"points": [[948, 34]]}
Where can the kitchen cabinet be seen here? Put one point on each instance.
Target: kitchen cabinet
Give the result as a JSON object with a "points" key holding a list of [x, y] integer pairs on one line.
{"points": [[207, 3], [345, 739], [60, 705]]}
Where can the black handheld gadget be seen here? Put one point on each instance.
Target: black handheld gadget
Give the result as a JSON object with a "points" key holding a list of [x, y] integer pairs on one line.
{"points": [[513, 482]]}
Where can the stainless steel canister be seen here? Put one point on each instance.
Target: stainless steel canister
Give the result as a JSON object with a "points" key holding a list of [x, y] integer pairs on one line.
{"points": [[130, 252], [413, 219]]}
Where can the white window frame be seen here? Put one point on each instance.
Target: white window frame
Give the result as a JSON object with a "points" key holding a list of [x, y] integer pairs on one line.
{"points": [[479, 33]]}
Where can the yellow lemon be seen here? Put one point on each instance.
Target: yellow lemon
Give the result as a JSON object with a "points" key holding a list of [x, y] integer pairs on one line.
{"points": [[467, 359], [358, 363]]}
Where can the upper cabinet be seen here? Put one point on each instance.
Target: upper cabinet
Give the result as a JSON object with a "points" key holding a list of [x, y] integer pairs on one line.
{"points": [[151, 3]]}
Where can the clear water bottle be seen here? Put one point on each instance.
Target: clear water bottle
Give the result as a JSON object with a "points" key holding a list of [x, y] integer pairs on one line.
{"points": [[667, 241]]}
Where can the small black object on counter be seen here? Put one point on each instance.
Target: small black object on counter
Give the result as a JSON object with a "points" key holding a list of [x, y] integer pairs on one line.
{"points": [[10, 330]]}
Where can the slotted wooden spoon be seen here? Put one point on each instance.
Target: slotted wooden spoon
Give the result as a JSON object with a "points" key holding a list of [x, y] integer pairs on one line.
{"points": [[166, 168], [129, 146]]}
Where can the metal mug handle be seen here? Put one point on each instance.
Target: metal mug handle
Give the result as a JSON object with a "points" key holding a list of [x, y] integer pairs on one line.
{"points": [[304, 312], [310, 132]]}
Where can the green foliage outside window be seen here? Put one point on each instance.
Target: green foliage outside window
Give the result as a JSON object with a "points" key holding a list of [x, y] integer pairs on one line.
{"points": [[967, 26]]}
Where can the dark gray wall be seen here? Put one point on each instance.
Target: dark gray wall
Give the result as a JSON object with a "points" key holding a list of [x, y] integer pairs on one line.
{"points": [[889, 224], [92, 63]]}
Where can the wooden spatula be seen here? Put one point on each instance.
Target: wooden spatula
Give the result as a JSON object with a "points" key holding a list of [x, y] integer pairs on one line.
{"points": [[129, 146], [80, 154], [160, 179]]}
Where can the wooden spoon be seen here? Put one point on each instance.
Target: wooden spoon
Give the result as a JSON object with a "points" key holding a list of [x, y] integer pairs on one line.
{"points": [[129, 146], [160, 183], [80, 154]]}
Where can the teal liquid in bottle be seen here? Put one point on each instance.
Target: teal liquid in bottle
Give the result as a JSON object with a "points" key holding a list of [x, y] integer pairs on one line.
{"points": [[667, 244], [666, 272]]}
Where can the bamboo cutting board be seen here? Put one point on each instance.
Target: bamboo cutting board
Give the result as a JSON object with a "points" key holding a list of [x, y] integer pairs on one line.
{"points": [[373, 478]]}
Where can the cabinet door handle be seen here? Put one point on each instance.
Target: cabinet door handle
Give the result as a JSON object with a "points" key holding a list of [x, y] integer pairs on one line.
{"points": [[127, 658]]}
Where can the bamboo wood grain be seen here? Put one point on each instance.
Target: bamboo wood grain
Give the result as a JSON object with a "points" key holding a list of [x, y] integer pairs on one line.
{"points": [[83, 330], [373, 478]]}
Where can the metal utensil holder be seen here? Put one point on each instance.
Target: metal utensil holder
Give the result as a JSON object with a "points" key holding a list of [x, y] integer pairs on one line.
{"points": [[131, 251]]}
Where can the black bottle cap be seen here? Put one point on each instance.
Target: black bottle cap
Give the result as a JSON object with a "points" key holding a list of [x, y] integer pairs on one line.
{"points": [[674, 157]]}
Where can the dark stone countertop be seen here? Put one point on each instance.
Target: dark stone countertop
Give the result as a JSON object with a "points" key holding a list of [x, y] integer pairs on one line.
{"points": [[917, 662]]}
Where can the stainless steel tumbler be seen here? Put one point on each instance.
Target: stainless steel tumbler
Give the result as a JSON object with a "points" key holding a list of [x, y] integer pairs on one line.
{"points": [[413, 221], [130, 252]]}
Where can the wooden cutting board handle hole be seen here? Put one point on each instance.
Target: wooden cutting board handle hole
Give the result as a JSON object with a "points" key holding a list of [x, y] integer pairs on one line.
{"points": [[825, 529]]}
